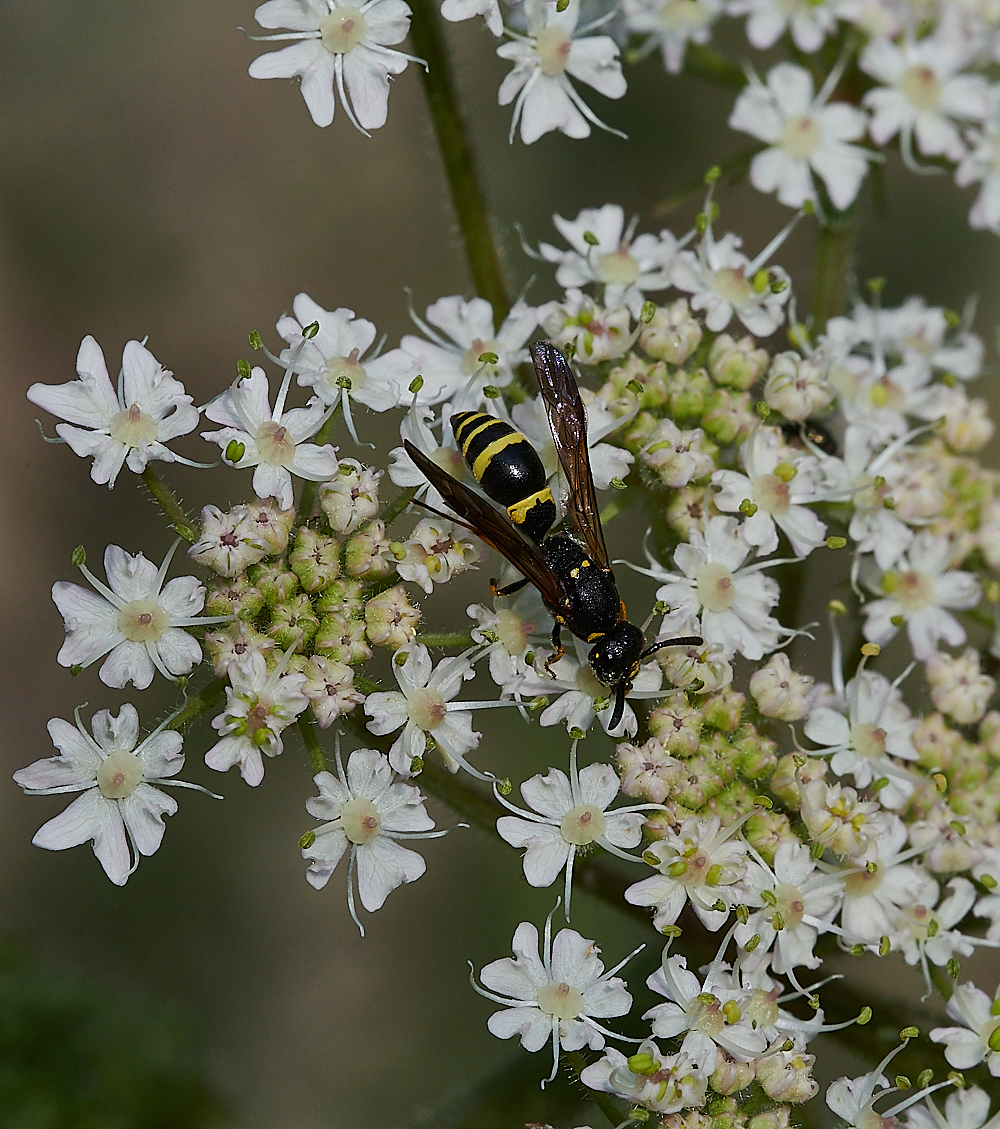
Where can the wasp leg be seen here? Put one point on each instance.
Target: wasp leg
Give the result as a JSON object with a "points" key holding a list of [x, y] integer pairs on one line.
{"points": [[559, 651], [509, 590]]}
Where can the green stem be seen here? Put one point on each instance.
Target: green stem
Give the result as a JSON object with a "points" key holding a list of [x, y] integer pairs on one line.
{"points": [[169, 504], [833, 262], [703, 62], [398, 505], [731, 171], [427, 36], [446, 639], [307, 727], [199, 704]]}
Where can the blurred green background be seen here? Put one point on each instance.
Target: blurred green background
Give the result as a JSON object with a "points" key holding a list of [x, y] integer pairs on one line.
{"points": [[148, 186]]}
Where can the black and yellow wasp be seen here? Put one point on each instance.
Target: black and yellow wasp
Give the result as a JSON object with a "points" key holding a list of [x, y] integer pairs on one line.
{"points": [[571, 569]]}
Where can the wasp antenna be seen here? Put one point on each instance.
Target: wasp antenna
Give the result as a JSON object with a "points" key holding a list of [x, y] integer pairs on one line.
{"points": [[680, 641]]}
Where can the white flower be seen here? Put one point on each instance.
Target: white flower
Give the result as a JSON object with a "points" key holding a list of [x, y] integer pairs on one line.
{"points": [[135, 617], [878, 727], [338, 44], [698, 1012], [677, 456], [569, 812], [810, 22], [701, 860], [777, 489], [973, 1042], [958, 687], [450, 359], [981, 164], [553, 51], [228, 542], [872, 897], [779, 691], [556, 999], [725, 282], [805, 136], [673, 1082], [604, 251], [330, 688], [334, 364], [967, 425], [728, 605], [365, 811], [596, 333], [839, 819], [507, 631], [797, 386], [259, 707], [924, 933], [797, 902], [918, 592], [672, 24], [458, 10], [131, 425], [423, 707], [963, 1109], [273, 442], [853, 1099], [120, 807], [923, 93], [437, 550]]}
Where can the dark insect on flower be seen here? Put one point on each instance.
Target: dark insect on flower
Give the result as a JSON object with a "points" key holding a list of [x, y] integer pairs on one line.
{"points": [[570, 569]]}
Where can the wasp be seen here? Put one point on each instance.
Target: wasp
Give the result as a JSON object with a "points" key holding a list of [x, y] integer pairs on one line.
{"points": [[570, 569]]}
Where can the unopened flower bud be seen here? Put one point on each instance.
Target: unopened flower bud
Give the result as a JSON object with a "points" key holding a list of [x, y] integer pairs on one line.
{"points": [[723, 710], [779, 691], [727, 416], [236, 597], [293, 623], [390, 619], [672, 333], [277, 582], [351, 498], [342, 638], [687, 393], [367, 553], [797, 387], [730, 1076], [736, 364], [315, 559], [786, 1076]]}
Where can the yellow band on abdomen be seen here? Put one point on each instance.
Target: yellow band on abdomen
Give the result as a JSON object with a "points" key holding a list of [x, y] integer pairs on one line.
{"points": [[519, 511], [488, 421], [484, 457]]}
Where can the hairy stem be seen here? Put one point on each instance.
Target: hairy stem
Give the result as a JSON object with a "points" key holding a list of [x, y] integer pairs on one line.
{"points": [[394, 508], [169, 505], [427, 36], [199, 704], [612, 1110], [446, 639], [833, 263], [307, 727]]}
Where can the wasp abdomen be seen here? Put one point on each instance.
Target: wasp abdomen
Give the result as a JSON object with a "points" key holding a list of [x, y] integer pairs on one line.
{"points": [[508, 468]]}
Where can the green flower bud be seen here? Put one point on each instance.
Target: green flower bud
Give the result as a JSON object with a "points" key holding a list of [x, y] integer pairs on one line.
{"points": [[293, 623], [277, 582], [315, 559]]}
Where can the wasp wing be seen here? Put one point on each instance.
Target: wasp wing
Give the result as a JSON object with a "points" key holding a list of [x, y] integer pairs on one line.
{"points": [[495, 530], [568, 423]]}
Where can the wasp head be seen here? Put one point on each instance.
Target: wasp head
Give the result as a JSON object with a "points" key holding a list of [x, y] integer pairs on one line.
{"points": [[615, 656]]}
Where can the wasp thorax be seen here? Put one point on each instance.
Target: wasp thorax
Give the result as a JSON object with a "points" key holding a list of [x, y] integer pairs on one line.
{"points": [[868, 740], [560, 1000], [119, 775], [359, 820], [426, 708], [582, 825], [274, 443], [552, 47], [715, 586], [133, 427], [142, 621], [343, 29]]}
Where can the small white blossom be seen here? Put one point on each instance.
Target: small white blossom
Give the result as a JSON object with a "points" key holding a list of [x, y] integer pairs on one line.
{"points": [[272, 442], [459, 333], [553, 51], [809, 22], [603, 251], [120, 807], [507, 631], [437, 550], [135, 619], [963, 1109], [673, 1082], [878, 727], [132, 425], [569, 812], [923, 94], [981, 165], [229, 542], [366, 816], [797, 386], [557, 999], [853, 1099], [677, 457], [918, 592], [701, 861], [259, 707], [330, 688], [973, 1042], [339, 45], [779, 691], [837, 817], [806, 136], [597, 333], [957, 685], [923, 932], [423, 707], [671, 25]]}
